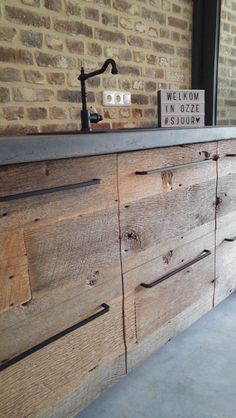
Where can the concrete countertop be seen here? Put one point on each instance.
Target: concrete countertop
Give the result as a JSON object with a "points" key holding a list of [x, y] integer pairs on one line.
{"points": [[29, 148]]}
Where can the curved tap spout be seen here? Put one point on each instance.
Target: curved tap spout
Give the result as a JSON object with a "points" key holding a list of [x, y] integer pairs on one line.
{"points": [[84, 76]]}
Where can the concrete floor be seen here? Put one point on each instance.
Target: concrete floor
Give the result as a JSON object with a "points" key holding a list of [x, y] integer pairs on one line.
{"points": [[193, 376]]}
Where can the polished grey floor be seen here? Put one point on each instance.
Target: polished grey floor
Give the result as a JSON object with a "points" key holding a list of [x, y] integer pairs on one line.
{"points": [[193, 376]]}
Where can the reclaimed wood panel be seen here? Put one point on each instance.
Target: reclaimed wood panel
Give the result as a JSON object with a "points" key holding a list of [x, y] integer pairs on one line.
{"points": [[23, 178], [155, 315], [14, 277], [226, 222], [156, 209], [74, 265], [135, 187], [82, 363]]}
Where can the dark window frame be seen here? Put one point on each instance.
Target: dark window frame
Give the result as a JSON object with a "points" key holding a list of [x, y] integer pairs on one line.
{"points": [[205, 53]]}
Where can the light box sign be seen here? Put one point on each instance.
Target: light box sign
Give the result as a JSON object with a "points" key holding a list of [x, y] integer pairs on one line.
{"points": [[181, 108]]}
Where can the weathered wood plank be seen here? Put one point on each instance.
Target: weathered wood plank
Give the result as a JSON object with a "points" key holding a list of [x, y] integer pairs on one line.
{"points": [[54, 374], [14, 277], [153, 316], [226, 222], [148, 225], [74, 266], [134, 187], [38, 209]]}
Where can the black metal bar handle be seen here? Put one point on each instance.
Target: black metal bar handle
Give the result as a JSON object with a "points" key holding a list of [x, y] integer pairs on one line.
{"points": [[7, 363], [171, 168], [51, 190], [204, 254], [230, 239], [230, 155]]}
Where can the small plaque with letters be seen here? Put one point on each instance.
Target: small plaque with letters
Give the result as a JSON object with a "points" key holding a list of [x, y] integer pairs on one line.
{"points": [[181, 108]]}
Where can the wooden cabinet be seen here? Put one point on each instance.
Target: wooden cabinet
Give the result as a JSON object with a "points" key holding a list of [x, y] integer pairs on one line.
{"points": [[167, 217], [59, 265], [102, 261], [226, 221]]}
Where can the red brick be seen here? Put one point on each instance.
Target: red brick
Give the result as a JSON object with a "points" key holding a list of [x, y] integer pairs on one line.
{"points": [[9, 74], [56, 61], [33, 39], [31, 95], [56, 78], [4, 95], [54, 43], [150, 86], [73, 96], [26, 17], [94, 82], [151, 59], [154, 16], [183, 52], [7, 34], [138, 41], [57, 113], [19, 56], [94, 49], [34, 3], [91, 13], [163, 48], [109, 19], [125, 55], [75, 46], [110, 36], [72, 8], [54, 5], [13, 112], [164, 33], [177, 23], [138, 56], [176, 8], [126, 7], [55, 127], [139, 99], [34, 76], [129, 70], [18, 130], [137, 113], [73, 28], [36, 113], [150, 113]]}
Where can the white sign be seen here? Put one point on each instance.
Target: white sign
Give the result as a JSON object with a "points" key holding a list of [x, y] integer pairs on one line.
{"points": [[181, 108]]}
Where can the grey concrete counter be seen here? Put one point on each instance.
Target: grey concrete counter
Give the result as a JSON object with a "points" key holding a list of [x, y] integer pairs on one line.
{"points": [[41, 147]]}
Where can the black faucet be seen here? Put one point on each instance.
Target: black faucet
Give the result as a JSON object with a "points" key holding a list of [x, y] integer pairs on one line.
{"points": [[86, 116]]}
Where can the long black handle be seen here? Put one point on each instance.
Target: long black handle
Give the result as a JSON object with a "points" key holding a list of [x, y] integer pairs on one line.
{"points": [[7, 363], [230, 239], [51, 190], [205, 254], [171, 168], [230, 155]]}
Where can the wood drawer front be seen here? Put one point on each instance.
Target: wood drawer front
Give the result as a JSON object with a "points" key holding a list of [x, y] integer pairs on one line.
{"points": [[225, 257], [180, 167], [32, 193], [226, 221], [74, 265], [155, 315], [163, 212], [67, 373]]}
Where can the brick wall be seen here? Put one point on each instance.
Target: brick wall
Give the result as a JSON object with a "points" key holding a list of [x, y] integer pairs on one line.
{"points": [[43, 44], [227, 65]]}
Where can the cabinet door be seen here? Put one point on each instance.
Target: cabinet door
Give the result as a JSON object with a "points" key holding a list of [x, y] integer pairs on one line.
{"points": [[64, 215], [167, 216], [64, 374], [226, 222]]}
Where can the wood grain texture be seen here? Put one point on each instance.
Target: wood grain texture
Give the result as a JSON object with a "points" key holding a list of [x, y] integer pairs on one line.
{"points": [[74, 266], [149, 311], [133, 187], [51, 376], [39, 209], [226, 222], [161, 208], [14, 277]]}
